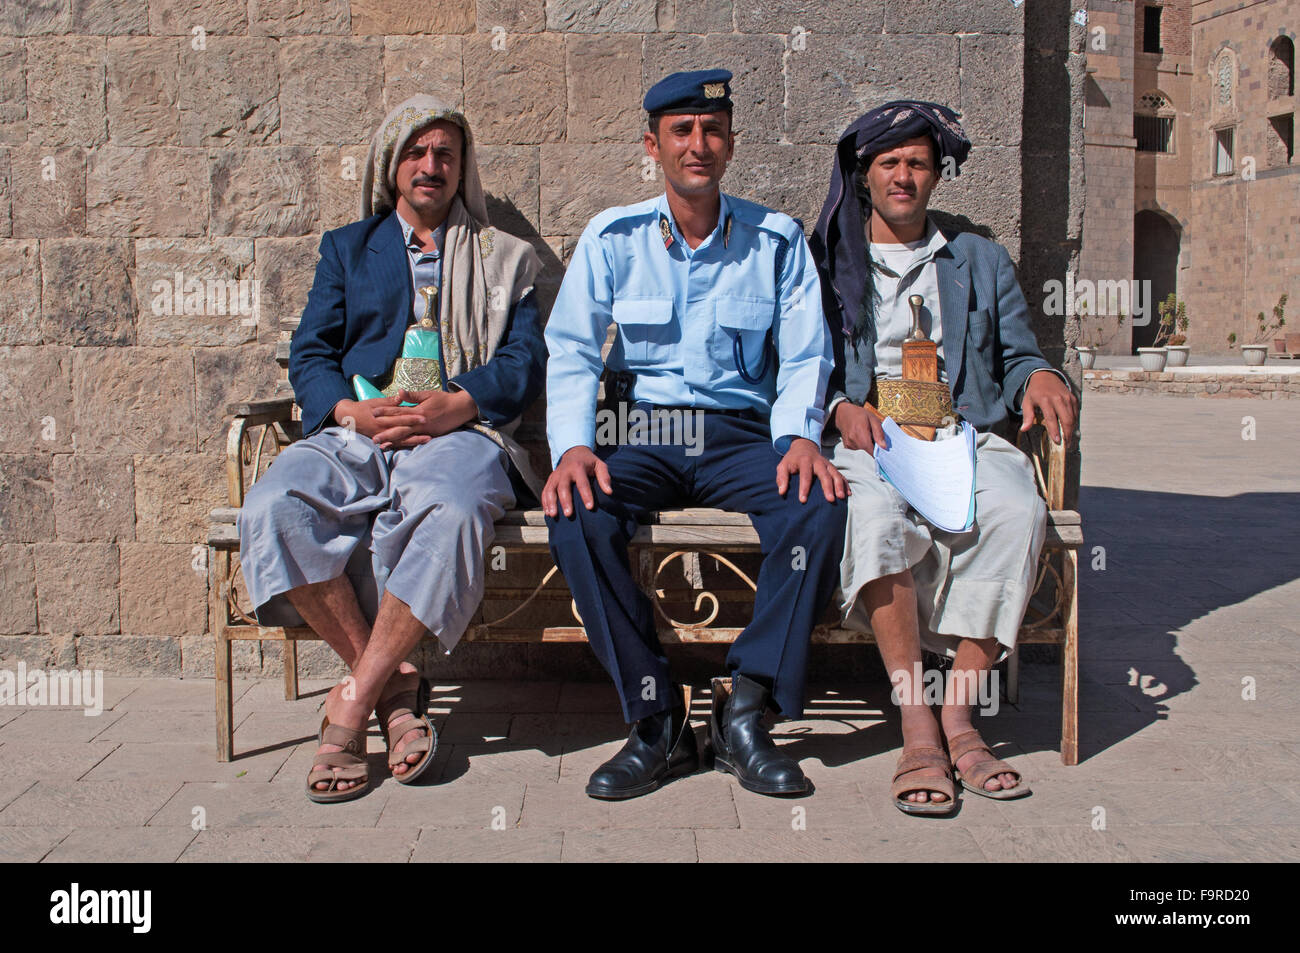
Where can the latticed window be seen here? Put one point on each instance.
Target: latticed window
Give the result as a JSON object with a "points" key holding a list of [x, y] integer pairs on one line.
{"points": [[1224, 81], [1153, 123]]}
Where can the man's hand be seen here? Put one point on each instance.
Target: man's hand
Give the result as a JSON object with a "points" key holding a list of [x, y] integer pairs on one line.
{"points": [[359, 416], [576, 468], [805, 458], [860, 427], [1046, 394], [435, 413]]}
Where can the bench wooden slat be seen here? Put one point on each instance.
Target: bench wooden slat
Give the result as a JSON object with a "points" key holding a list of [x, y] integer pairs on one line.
{"points": [[1064, 537], [260, 406], [704, 529], [223, 536]]}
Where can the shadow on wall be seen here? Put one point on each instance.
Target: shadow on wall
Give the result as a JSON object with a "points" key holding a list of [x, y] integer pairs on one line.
{"points": [[951, 224]]}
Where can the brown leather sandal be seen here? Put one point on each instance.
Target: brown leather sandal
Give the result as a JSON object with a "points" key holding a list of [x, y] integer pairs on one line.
{"points": [[411, 701], [335, 766], [923, 757], [975, 779]]}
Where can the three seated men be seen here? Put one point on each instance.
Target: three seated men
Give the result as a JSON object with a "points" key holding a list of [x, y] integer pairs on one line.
{"points": [[374, 527]]}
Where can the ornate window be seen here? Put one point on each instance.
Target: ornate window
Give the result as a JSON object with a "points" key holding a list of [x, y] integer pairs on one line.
{"points": [[1225, 81], [1153, 122]]}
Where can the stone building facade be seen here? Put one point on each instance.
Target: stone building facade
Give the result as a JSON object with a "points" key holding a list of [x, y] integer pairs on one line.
{"points": [[1193, 183], [161, 160]]}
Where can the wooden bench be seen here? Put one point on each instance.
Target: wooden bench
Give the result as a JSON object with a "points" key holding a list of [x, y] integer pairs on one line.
{"points": [[695, 561]]}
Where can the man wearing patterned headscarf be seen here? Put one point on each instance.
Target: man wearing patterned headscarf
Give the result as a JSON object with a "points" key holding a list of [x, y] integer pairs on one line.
{"points": [[373, 528], [960, 594]]}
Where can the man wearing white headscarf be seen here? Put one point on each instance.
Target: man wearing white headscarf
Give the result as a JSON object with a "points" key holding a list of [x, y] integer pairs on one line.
{"points": [[373, 528]]}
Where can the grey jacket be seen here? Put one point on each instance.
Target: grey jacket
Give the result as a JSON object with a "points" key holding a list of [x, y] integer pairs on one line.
{"points": [[988, 345]]}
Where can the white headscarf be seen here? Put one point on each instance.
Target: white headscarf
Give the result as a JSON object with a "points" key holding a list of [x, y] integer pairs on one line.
{"points": [[379, 181]]}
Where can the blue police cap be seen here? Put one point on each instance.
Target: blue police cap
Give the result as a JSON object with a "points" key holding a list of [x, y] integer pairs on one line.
{"points": [[699, 91]]}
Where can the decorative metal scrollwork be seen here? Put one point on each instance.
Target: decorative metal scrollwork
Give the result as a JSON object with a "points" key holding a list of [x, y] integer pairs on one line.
{"points": [[1044, 567], [658, 593]]}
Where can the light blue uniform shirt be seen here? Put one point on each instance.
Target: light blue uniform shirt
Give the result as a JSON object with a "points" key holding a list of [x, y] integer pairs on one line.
{"points": [[680, 312]]}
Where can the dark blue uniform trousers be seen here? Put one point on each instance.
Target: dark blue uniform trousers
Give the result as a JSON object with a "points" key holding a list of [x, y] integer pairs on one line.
{"points": [[801, 542]]}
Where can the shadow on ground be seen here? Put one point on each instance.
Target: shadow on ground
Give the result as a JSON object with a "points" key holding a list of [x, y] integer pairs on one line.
{"points": [[1156, 566]]}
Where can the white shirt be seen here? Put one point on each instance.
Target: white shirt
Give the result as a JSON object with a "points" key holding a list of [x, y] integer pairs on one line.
{"points": [[898, 272]]}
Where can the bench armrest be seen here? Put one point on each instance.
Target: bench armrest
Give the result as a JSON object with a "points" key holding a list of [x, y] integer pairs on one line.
{"points": [[1050, 461], [274, 416], [263, 410]]}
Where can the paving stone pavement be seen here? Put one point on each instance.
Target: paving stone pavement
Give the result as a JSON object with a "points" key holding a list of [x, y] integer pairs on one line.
{"points": [[1190, 596]]}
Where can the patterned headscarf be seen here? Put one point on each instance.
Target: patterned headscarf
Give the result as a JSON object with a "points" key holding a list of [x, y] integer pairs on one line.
{"points": [[379, 182], [839, 243]]}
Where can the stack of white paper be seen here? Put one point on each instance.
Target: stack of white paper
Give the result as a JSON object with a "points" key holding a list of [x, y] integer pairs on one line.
{"points": [[937, 477]]}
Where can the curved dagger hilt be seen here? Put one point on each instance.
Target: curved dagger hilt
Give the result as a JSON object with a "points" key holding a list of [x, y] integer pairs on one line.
{"points": [[916, 302], [430, 319]]}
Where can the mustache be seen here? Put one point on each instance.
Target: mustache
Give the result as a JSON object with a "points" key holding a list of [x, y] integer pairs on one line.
{"points": [[426, 180]]}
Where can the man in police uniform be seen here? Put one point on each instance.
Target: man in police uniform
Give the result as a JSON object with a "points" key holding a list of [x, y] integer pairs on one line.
{"points": [[718, 311]]}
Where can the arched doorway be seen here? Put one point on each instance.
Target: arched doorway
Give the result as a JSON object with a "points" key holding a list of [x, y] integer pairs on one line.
{"points": [[1155, 259]]}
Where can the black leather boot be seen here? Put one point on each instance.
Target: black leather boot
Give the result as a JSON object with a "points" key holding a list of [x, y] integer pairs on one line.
{"points": [[659, 748], [742, 746]]}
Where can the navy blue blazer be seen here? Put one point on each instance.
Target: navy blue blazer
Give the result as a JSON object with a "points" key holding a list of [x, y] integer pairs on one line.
{"points": [[989, 348], [357, 314]]}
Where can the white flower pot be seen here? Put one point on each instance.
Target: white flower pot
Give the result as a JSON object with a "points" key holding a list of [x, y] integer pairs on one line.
{"points": [[1254, 354], [1178, 354], [1087, 357], [1152, 358]]}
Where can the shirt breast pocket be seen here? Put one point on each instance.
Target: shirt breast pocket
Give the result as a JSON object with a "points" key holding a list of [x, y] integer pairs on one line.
{"points": [[979, 329], [645, 329], [740, 332]]}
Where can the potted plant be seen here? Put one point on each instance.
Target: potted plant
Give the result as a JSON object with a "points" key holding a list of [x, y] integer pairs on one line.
{"points": [[1255, 352], [1094, 339], [1173, 324]]}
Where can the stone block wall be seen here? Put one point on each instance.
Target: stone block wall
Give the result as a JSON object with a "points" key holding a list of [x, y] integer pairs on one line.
{"points": [[146, 145], [1244, 253]]}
